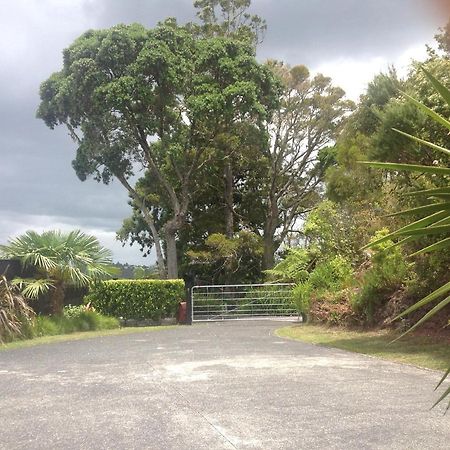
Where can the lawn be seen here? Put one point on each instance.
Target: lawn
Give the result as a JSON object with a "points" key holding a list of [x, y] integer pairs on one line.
{"points": [[428, 352], [78, 336]]}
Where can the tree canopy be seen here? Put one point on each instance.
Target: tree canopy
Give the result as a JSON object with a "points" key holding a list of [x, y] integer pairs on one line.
{"points": [[148, 104]]}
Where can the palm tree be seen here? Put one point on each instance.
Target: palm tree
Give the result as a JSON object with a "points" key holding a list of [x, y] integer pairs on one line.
{"points": [[58, 260]]}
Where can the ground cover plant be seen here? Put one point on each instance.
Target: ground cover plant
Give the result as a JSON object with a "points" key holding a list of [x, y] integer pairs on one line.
{"points": [[74, 319]]}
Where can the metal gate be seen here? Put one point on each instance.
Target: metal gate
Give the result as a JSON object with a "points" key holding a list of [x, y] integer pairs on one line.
{"points": [[243, 301]]}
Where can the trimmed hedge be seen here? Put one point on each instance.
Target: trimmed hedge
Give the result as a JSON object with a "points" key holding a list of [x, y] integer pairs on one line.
{"points": [[137, 299]]}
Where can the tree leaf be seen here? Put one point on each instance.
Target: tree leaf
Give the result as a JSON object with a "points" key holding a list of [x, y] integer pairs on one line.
{"points": [[408, 167], [425, 301], [443, 91], [421, 141], [441, 245], [427, 316], [428, 111]]}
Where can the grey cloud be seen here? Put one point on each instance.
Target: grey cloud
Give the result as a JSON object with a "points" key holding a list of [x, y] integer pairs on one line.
{"points": [[313, 31]]}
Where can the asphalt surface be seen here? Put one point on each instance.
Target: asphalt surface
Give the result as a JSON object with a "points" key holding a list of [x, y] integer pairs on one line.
{"points": [[213, 386]]}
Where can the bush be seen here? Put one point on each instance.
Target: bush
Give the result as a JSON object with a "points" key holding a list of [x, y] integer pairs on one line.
{"points": [[84, 321], [15, 313], [137, 299], [388, 272], [335, 309], [331, 275], [293, 268], [301, 296]]}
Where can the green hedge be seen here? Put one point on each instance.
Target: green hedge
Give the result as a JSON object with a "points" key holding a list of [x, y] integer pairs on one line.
{"points": [[137, 299]]}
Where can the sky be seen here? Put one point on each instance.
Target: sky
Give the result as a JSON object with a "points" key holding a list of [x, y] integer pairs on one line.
{"points": [[349, 40]]}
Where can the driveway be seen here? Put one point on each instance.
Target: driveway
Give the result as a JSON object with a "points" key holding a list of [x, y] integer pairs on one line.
{"points": [[213, 386]]}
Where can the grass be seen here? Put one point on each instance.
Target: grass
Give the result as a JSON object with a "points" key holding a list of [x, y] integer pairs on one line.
{"points": [[78, 336], [420, 351]]}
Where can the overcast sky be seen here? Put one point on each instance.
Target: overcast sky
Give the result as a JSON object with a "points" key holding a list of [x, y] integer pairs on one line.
{"points": [[350, 40]]}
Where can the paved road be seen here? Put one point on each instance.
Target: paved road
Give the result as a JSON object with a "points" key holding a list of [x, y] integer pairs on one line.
{"points": [[213, 386]]}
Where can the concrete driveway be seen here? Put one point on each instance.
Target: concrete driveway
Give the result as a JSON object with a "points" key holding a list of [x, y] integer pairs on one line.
{"points": [[213, 386]]}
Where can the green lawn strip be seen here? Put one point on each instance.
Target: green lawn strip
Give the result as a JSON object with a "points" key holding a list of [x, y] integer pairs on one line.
{"points": [[79, 336], [427, 352]]}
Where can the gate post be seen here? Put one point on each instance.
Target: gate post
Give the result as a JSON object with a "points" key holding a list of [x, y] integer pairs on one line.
{"points": [[188, 306], [189, 282]]}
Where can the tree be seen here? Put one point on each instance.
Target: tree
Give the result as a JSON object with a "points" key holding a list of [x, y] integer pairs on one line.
{"points": [[230, 18], [443, 37], [309, 118], [59, 259], [226, 260], [154, 100]]}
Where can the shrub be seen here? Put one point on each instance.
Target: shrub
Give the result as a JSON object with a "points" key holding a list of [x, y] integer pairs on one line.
{"points": [[387, 273], [331, 275], [293, 268], [137, 299], [45, 326], [328, 277], [335, 309], [85, 320], [301, 296], [15, 313]]}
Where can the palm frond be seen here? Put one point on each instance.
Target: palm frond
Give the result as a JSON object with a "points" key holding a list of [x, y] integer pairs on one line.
{"points": [[33, 288]]}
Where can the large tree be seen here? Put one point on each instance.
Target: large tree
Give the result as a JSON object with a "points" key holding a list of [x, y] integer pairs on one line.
{"points": [[308, 120], [154, 101]]}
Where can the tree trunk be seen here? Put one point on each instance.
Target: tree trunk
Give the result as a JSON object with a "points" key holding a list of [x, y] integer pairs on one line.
{"points": [[150, 222], [270, 228], [57, 299], [228, 197], [171, 254], [159, 254], [269, 252]]}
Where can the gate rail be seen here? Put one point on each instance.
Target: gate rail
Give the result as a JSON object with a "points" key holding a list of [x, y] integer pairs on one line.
{"points": [[242, 302]]}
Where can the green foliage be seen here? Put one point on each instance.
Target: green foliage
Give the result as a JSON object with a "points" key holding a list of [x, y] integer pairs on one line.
{"points": [[229, 259], [121, 86], [15, 312], [301, 297], [230, 18], [340, 228], [58, 259], [85, 318], [437, 210], [83, 321], [328, 276], [331, 275], [388, 271], [74, 319], [292, 268], [335, 308], [296, 163], [137, 299]]}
